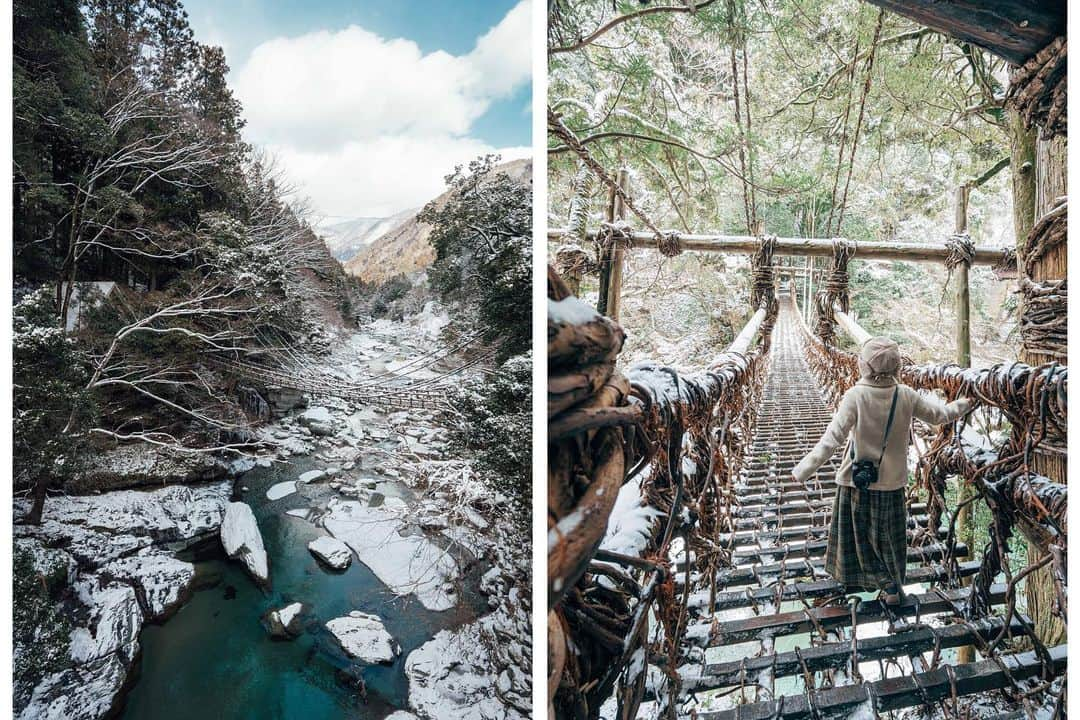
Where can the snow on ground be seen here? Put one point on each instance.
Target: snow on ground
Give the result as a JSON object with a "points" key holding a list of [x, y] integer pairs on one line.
{"points": [[399, 503]]}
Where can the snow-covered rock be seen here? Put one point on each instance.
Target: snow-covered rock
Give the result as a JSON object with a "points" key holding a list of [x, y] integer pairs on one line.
{"points": [[405, 563], [451, 676], [364, 637], [113, 624], [242, 540], [160, 580], [285, 622], [138, 464], [168, 514], [311, 476], [316, 414], [280, 490], [401, 715], [79, 693], [331, 551]]}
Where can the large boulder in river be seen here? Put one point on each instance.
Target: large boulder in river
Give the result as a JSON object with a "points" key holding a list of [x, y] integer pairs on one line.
{"points": [[284, 622], [331, 551], [282, 400], [364, 637], [242, 540], [318, 420]]}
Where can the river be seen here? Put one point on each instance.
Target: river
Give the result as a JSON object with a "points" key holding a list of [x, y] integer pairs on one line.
{"points": [[215, 659]]}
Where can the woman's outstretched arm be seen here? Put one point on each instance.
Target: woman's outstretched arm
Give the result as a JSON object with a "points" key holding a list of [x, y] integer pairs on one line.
{"points": [[835, 436], [931, 410]]}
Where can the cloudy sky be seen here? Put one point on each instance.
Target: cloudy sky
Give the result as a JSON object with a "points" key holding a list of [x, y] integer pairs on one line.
{"points": [[368, 104]]}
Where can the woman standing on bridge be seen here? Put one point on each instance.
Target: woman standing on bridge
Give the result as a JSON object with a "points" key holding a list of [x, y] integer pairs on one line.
{"points": [[867, 548]]}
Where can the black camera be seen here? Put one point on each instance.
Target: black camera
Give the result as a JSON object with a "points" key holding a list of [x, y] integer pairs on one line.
{"points": [[863, 473]]}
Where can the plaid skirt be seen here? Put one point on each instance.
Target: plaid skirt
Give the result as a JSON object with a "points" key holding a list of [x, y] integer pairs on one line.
{"points": [[867, 546]]}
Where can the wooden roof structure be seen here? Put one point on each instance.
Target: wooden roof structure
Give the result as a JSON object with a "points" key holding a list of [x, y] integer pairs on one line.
{"points": [[1012, 29]]}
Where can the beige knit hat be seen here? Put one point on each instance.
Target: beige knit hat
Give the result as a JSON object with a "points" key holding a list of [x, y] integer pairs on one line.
{"points": [[879, 359]]}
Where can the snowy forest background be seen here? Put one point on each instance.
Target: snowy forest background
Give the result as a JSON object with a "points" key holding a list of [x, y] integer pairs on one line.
{"points": [[809, 117], [130, 173]]}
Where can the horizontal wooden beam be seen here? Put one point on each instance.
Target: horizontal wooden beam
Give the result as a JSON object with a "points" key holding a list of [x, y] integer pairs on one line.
{"points": [[716, 633], [852, 328], [741, 344], [808, 247], [1012, 29]]}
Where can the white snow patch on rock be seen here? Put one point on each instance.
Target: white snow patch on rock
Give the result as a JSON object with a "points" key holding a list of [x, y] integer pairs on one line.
{"points": [[450, 677], [159, 578], [317, 414], [284, 622], [115, 620], [242, 540], [168, 514], [404, 563], [364, 637], [311, 476], [331, 551], [280, 490]]}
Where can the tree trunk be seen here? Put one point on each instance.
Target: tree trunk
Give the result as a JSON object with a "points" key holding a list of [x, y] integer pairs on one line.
{"points": [[1048, 182], [38, 508]]}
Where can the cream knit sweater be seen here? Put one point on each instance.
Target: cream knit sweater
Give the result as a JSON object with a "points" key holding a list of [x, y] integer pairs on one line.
{"points": [[861, 418]]}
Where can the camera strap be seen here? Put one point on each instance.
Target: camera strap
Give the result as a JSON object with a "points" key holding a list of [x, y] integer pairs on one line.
{"points": [[888, 427]]}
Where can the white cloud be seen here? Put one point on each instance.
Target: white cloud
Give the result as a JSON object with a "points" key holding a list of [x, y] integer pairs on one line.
{"points": [[502, 58], [376, 178], [363, 122]]}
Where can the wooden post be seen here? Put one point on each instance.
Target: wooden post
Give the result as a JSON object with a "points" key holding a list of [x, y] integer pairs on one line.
{"points": [[604, 281], [809, 288], [965, 519], [1050, 183], [963, 290], [617, 211]]}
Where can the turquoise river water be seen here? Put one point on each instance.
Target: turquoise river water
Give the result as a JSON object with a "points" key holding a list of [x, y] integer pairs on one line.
{"points": [[214, 660]]}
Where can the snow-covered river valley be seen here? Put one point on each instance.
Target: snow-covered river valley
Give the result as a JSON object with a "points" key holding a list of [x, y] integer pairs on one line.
{"points": [[417, 606]]}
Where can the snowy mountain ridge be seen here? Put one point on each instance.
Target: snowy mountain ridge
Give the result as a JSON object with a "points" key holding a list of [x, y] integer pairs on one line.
{"points": [[348, 237]]}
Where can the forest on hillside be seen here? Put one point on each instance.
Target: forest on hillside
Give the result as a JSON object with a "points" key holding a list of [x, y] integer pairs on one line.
{"points": [[795, 118], [130, 173]]}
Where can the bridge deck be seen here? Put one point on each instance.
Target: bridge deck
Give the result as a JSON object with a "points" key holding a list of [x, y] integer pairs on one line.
{"points": [[762, 635]]}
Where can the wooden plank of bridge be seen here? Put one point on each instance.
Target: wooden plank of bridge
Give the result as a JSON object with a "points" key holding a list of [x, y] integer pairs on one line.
{"points": [[718, 634], [783, 570], [757, 596], [899, 692], [835, 656]]}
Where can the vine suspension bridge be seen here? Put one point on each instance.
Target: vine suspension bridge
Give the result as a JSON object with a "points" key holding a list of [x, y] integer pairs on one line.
{"points": [[733, 563], [397, 390]]}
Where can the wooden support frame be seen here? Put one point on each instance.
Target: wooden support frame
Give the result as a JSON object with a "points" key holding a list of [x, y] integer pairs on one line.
{"points": [[963, 288], [609, 300], [808, 247]]}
